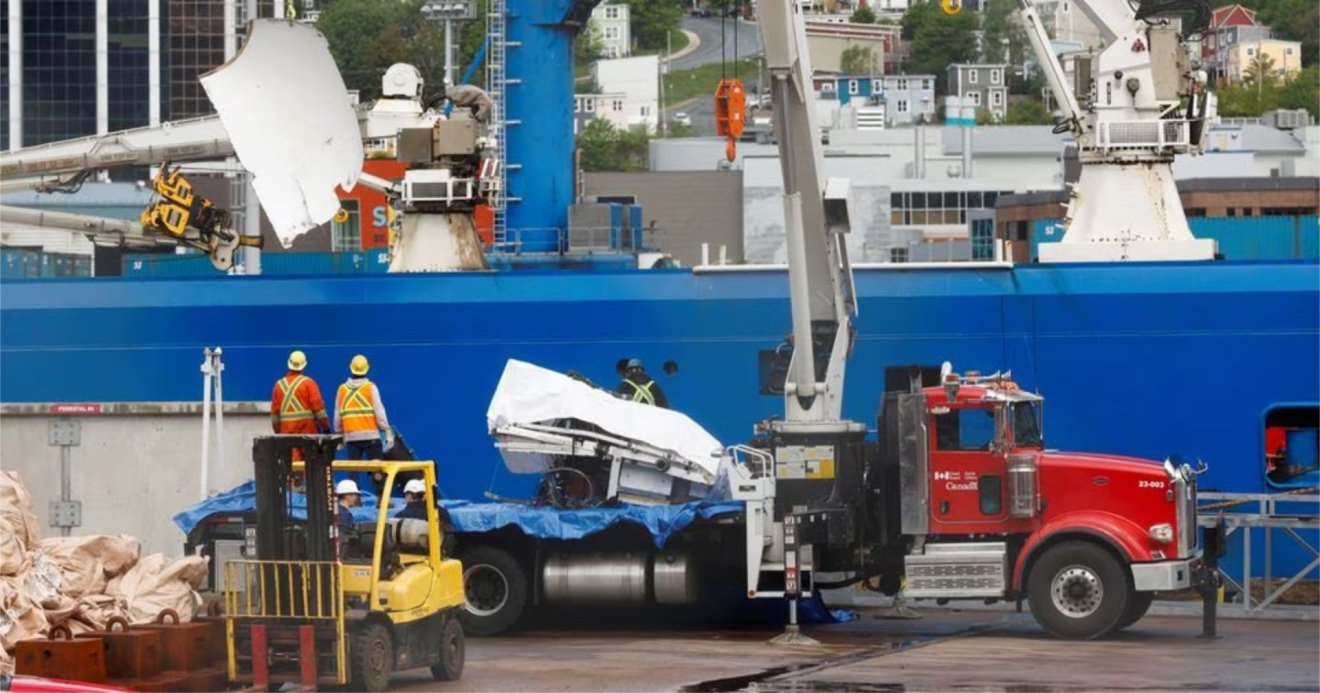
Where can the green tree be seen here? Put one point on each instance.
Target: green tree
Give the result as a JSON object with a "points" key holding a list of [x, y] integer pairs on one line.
{"points": [[1302, 91], [603, 147], [1260, 73], [938, 40], [1003, 40], [1028, 112], [589, 45], [857, 60], [650, 21], [863, 15], [355, 31]]}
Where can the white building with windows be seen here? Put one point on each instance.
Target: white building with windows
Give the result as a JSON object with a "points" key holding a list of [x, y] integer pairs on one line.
{"points": [[588, 107], [611, 21], [984, 87], [638, 81]]}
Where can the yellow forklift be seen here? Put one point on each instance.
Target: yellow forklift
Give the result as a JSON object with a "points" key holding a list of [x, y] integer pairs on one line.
{"points": [[325, 604]]}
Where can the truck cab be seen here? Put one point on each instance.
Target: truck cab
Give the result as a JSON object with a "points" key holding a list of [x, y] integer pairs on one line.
{"points": [[987, 511]]}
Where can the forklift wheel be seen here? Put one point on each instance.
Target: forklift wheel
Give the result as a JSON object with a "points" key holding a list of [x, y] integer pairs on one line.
{"points": [[453, 652], [373, 658]]}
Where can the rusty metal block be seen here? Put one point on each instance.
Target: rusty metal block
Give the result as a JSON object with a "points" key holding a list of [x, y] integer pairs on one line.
{"points": [[165, 682], [219, 638], [129, 654], [204, 680], [185, 646], [65, 658]]}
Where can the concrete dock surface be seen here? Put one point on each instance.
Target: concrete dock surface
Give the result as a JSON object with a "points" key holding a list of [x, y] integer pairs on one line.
{"points": [[946, 650]]}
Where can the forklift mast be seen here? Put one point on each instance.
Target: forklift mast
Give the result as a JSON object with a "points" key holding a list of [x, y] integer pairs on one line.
{"points": [[278, 537]]}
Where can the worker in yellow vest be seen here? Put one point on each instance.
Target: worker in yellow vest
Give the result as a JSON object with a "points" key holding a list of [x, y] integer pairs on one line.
{"points": [[638, 386], [360, 414]]}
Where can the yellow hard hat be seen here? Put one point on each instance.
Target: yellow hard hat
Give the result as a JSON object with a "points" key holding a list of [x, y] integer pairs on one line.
{"points": [[297, 361], [951, 6], [359, 365]]}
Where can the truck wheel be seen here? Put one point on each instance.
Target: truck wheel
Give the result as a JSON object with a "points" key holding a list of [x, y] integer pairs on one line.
{"points": [[496, 590], [453, 652], [1138, 604], [1078, 590], [372, 658]]}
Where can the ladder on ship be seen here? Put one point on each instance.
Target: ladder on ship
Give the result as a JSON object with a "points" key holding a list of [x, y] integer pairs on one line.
{"points": [[497, 83]]}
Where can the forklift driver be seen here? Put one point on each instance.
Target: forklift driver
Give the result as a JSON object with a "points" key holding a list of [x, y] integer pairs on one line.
{"points": [[349, 497]]}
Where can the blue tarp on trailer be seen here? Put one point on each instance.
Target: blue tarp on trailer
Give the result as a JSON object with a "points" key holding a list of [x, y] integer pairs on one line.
{"points": [[662, 521]]}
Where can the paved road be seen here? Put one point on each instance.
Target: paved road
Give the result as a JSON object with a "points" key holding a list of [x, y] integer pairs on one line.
{"points": [[946, 650], [708, 30]]}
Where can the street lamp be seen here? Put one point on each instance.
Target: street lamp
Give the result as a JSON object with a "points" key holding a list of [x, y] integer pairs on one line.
{"points": [[449, 11]]}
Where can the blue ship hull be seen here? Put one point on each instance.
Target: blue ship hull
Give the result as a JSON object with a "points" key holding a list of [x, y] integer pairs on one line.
{"points": [[1137, 359]]}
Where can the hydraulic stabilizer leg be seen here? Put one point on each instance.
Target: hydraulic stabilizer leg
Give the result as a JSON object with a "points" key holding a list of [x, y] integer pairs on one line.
{"points": [[792, 634]]}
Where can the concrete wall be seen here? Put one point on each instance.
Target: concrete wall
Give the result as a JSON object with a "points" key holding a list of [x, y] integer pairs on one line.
{"points": [[132, 472], [688, 208], [827, 51]]}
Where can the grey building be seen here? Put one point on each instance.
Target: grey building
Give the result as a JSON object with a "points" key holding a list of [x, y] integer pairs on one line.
{"points": [[681, 210], [981, 86]]}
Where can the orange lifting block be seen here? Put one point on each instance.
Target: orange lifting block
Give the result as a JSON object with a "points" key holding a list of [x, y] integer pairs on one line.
{"points": [[730, 112]]}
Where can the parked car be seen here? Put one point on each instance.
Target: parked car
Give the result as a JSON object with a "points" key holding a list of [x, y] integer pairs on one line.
{"points": [[682, 118]]}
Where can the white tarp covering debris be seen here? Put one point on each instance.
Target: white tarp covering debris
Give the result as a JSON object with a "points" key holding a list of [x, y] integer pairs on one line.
{"points": [[529, 394], [290, 121]]}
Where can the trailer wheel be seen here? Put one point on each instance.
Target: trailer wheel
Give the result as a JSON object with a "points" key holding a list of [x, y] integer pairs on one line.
{"points": [[372, 658], [453, 652], [1078, 590], [496, 590], [1138, 604]]}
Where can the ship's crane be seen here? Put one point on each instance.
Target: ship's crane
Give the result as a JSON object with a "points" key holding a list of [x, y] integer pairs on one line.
{"points": [[1142, 105], [298, 135]]}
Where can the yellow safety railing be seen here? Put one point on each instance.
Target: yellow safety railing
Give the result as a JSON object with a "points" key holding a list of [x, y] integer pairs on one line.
{"points": [[284, 589], [285, 592]]}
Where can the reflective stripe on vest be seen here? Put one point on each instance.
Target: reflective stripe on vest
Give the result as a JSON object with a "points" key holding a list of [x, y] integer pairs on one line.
{"points": [[356, 412], [642, 393], [292, 408]]}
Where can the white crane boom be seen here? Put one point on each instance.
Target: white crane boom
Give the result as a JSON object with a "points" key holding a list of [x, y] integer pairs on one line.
{"points": [[816, 223]]}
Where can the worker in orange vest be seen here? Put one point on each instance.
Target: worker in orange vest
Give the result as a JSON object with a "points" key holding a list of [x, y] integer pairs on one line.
{"points": [[360, 414], [295, 403]]}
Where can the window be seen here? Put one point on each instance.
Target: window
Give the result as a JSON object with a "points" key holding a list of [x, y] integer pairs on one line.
{"points": [[1026, 425], [590, 105], [898, 254], [975, 98], [972, 76], [852, 86], [1288, 50], [611, 12], [997, 98], [877, 86], [1251, 52], [902, 85], [617, 105], [646, 111], [902, 106], [925, 84], [1290, 446], [965, 429], [611, 33], [346, 236], [577, 105], [994, 77]]}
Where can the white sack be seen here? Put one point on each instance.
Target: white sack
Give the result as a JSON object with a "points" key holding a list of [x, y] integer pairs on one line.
{"points": [[87, 563], [156, 584]]}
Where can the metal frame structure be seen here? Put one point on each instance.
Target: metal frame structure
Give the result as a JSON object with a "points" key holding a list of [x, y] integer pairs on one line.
{"points": [[1266, 516]]}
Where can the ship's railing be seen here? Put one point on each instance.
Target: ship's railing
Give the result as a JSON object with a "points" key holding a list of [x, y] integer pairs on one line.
{"points": [[1263, 515], [575, 239], [1143, 134]]}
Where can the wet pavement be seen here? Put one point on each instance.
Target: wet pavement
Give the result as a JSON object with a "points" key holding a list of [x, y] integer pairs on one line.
{"points": [[944, 651]]}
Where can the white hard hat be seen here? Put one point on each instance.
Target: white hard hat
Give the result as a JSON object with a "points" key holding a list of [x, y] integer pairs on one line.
{"points": [[346, 487], [414, 486]]}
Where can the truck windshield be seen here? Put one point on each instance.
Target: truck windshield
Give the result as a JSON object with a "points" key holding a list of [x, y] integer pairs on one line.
{"points": [[1026, 425]]}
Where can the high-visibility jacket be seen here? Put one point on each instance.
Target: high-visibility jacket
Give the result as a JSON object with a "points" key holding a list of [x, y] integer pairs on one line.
{"points": [[296, 406], [641, 392], [359, 412]]}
